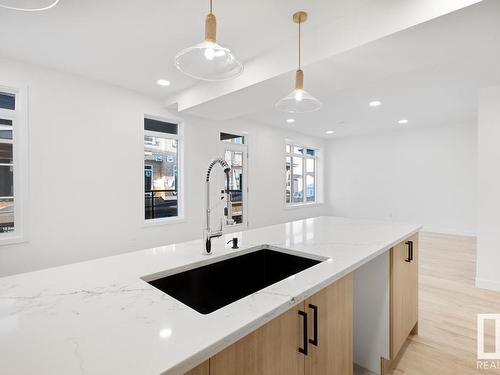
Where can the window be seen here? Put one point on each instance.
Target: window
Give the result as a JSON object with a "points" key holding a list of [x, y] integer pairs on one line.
{"points": [[162, 143], [300, 172], [13, 181], [6, 176], [7, 101], [232, 138], [234, 151]]}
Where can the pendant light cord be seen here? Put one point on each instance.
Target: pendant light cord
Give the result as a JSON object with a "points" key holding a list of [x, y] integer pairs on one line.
{"points": [[210, 6], [53, 4]]}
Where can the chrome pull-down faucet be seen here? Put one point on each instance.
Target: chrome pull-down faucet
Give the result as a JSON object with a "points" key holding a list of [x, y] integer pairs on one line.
{"points": [[208, 233]]}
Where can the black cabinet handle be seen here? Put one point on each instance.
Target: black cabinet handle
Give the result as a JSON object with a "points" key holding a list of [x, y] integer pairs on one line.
{"points": [[410, 251], [304, 349], [314, 340]]}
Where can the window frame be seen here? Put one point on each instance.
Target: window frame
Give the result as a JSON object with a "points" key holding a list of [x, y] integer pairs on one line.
{"points": [[20, 156], [304, 157], [179, 137]]}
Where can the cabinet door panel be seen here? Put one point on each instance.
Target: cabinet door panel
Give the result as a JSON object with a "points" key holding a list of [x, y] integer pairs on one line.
{"points": [[270, 350], [202, 369], [404, 293], [333, 354]]}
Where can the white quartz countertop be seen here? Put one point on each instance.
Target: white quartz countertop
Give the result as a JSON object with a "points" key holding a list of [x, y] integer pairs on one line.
{"points": [[100, 317]]}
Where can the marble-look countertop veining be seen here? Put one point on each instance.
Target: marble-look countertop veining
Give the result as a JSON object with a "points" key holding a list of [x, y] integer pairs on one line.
{"points": [[100, 317]]}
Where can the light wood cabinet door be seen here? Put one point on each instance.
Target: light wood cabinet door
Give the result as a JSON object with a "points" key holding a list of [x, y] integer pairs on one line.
{"points": [[270, 350], [333, 353], [404, 292], [202, 369]]}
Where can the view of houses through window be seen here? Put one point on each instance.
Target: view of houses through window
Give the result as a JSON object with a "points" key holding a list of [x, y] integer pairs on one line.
{"points": [[235, 156], [161, 169], [300, 169], [7, 123]]}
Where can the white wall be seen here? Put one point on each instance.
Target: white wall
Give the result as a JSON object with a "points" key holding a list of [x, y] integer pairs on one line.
{"points": [[488, 241], [421, 175], [86, 170]]}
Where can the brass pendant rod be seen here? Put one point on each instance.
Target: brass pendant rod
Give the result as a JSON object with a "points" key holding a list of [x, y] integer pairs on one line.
{"points": [[299, 17], [299, 45], [210, 26]]}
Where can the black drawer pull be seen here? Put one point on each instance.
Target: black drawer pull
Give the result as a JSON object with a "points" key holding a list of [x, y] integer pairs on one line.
{"points": [[410, 251], [304, 349], [314, 340]]}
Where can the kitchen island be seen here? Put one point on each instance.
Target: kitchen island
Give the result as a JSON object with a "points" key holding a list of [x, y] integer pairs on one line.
{"points": [[102, 317]]}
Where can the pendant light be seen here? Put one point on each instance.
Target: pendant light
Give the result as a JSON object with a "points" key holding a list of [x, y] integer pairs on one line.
{"points": [[299, 100], [35, 9], [208, 60]]}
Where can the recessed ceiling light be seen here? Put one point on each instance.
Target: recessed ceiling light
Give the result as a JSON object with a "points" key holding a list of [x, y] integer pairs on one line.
{"points": [[403, 121], [329, 132], [290, 120], [163, 82], [165, 333], [375, 103]]}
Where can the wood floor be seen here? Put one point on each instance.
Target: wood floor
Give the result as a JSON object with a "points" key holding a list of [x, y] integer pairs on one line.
{"points": [[448, 308]]}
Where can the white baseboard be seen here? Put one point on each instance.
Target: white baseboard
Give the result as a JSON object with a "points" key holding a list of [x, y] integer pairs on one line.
{"points": [[449, 231], [488, 284]]}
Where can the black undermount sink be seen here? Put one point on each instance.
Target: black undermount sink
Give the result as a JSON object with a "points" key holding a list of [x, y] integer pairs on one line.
{"points": [[210, 287]]}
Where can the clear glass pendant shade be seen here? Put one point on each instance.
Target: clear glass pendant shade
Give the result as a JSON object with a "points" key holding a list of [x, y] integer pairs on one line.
{"points": [[28, 6], [298, 101], [208, 61]]}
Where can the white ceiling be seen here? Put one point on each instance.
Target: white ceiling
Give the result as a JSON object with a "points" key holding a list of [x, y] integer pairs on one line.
{"points": [[434, 96], [319, 42], [428, 73], [132, 43]]}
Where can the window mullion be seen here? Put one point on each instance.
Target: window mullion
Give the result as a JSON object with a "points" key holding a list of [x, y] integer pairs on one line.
{"points": [[292, 190], [8, 114], [304, 166], [314, 177], [150, 133]]}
